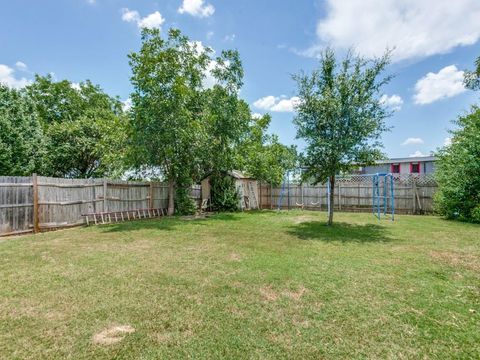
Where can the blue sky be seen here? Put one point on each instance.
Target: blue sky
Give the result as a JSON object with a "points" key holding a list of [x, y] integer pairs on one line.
{"points": [[434, 40]]}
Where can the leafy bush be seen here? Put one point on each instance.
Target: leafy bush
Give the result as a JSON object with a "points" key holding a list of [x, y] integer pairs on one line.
{"points": [[223, 193], [458, 171], [184, 204]]}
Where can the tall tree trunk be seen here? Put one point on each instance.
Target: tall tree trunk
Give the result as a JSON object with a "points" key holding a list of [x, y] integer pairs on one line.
{"points": [[332, 199], [171, 197]]}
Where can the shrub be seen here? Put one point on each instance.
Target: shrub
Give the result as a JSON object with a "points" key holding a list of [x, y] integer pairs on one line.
{"points": [[223, 193], [458, 171], [184, 204]]}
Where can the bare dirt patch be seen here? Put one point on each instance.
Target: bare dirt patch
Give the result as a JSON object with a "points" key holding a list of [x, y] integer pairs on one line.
{"points": [[457, 259], [112, 335]]}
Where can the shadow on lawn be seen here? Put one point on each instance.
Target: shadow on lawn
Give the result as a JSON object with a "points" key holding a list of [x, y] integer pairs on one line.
{"points": [[165, 223], [344, 232]]}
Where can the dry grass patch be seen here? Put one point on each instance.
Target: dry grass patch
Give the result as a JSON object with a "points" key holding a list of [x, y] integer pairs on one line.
{"points": [[235, 257], [112, 335], [295, 295], [303, 219], [457, 259], [268, 293]]}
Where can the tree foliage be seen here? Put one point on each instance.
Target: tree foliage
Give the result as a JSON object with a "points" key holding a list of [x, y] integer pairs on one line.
{"points": [[261, 154], [340, 115], [167, 105], [189, 128], [472, 78], [458, 171], [21, 137], [84, 128]]}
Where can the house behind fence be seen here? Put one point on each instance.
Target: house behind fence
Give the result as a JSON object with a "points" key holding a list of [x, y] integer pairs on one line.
{"points": [[42, 203]]}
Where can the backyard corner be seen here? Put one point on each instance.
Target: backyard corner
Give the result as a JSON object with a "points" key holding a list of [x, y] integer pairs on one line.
{"points": [[261, 284]]}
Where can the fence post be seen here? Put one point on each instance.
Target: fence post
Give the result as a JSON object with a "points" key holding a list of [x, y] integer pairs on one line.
{"points": [[339, 197], [288, 191], [104, 195], [151, 195], [271, 196], [414, 190], [259, 189], [36, 226]]}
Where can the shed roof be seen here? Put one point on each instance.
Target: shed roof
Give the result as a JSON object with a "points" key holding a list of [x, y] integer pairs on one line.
{"points": [[237, 174]]}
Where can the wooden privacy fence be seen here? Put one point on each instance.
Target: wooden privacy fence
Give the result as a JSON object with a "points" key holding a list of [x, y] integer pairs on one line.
{"points": [[413, 194], [36, 203]]}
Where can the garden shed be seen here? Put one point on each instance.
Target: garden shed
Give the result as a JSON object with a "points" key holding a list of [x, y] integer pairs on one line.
{"points": [[246, 186]]}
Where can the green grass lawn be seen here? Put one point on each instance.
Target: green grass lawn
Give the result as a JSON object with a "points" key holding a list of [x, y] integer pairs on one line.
{"points": [[249, 285]]}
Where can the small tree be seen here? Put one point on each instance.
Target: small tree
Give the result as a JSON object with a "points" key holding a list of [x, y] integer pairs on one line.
{"points": [[340, 116]]}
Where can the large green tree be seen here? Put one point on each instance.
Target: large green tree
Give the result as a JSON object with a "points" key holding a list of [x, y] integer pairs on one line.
{"points": [[340, 116], [167, 129], [84, 128], [21, 136], [226, 116]]}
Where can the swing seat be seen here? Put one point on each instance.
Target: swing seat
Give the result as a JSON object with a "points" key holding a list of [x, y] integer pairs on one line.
{"points": [[300, 205]]}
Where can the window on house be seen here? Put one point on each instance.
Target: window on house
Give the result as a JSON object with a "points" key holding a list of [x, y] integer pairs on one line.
{"points": [[396, 168], [415, 168]]}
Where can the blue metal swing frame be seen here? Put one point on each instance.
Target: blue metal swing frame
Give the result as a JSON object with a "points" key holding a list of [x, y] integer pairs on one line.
{"points": [[380, 203]]}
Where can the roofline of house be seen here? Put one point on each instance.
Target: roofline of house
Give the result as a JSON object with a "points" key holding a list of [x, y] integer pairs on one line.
{"points": [[408, 160]]}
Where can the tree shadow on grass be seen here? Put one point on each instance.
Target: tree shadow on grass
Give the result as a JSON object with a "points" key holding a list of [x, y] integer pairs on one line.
{"points": [[165, 223], [342, 232], [144, 224]]}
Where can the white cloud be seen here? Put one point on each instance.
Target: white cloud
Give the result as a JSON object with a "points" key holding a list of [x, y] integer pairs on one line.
{"points": [[151, 21], [447, 141], [8, 78], [286, 105], [418, 153], [413, 141], [154, 20], [229, 38], [127, 104], [130, 15], [196, 8], [21, 66], [265, 103], [394, 102], [446, 83], [277, 104], [415, 28], [210, 35]]}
